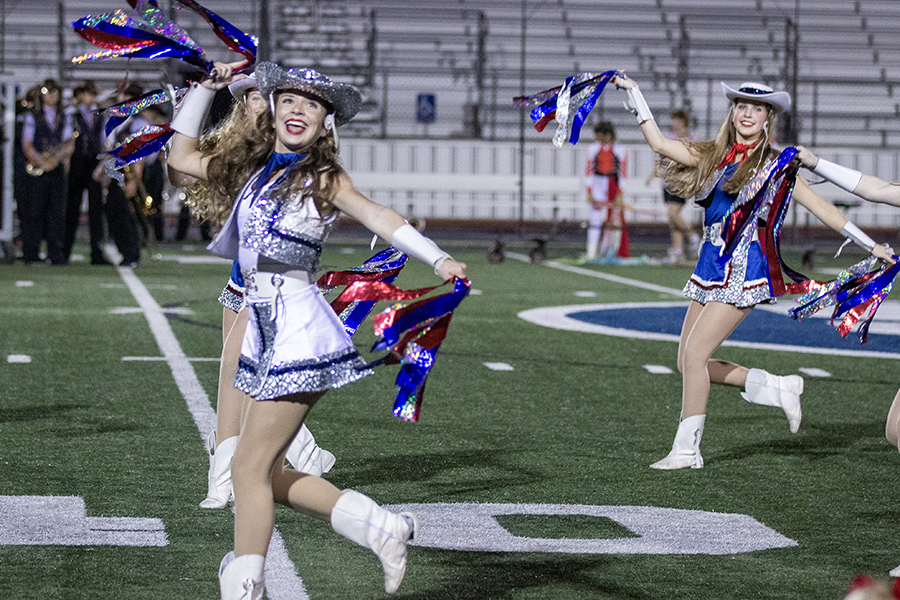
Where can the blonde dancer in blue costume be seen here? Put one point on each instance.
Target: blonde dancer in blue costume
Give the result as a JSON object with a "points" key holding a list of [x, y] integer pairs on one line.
{"points": [[290, 188], [303, 454], [723, 293], [873, 189]]}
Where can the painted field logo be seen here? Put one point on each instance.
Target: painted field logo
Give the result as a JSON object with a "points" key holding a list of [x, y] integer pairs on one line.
{"points": [[768, 327], [62, 521], [475, 527]]}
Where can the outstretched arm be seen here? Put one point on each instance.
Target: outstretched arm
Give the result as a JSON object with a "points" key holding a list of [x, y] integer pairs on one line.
{"points": [[673, 149], [184, 154], [831, 216], [867, 187], [389, 225]]}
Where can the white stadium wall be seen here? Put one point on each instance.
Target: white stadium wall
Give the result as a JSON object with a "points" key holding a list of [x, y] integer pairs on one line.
{"points": [[462, 179]]}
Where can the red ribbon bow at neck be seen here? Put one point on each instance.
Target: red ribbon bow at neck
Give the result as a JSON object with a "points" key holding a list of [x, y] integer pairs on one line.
{"points": [[735, 150]]}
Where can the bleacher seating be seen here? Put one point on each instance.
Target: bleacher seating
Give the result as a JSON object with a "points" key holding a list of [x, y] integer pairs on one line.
{"points": [[468, 54]]}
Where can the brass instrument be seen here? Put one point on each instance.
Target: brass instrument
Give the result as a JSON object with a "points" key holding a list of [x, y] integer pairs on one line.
{"points": [[139, 204], [48, 157]]}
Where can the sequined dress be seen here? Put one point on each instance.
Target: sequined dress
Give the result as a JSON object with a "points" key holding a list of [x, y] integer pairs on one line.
{"points": [[303, 347], [740, 279], [232, 296]]}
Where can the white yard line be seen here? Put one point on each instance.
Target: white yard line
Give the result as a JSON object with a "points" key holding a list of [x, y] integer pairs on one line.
{"points": [[282, 581], [590, 273]]}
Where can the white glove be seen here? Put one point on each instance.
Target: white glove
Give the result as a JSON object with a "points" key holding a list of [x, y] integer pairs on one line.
{"points": [[190, 117], [637, 105], [843, 177], [408, 240]]}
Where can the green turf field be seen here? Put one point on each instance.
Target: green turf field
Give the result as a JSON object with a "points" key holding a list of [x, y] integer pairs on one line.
{"points": [[576, 421]]}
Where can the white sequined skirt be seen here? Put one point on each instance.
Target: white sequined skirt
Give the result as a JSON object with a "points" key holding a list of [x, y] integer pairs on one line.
{"points": [[304, 349]]}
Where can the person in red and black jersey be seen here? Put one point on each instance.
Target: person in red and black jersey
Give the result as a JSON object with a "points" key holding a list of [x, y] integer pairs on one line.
{"points": [[605, 173]]}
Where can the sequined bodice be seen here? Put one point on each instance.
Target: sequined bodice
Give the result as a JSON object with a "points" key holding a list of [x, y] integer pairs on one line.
{"points": [[290, 231]]}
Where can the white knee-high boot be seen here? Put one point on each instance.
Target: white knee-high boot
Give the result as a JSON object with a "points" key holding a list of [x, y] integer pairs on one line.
{"points": [[772, 390], [307, 457], [242, 577], [686, 449], [359, 519], [218, 493]]}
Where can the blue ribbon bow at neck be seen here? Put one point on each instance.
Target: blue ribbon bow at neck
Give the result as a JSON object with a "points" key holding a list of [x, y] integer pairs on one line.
{"points": [[277, 161]]}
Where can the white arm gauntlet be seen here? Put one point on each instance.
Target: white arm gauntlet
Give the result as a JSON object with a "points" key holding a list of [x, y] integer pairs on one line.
{"points": [[842, 177], [408, 240], [859, 238], [190, 117], [637, 105]]}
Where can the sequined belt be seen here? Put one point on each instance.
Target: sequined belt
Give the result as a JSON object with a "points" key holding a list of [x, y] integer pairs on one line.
{"points": [[266, 284], [275, 285], [713, 234]]}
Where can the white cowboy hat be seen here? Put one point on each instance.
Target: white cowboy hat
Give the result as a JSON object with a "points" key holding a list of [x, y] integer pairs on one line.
{"points": [[780, 101], [242, 86], [343, 99]]}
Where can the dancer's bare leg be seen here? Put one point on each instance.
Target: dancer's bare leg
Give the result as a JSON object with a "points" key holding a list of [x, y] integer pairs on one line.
{"points": [[230, 402], [260, 480], [705, 328], [228, 319], [892, 430]]}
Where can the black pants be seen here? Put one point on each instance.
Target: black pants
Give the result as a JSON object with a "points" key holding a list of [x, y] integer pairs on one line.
{"points": [[42, 216], [184, 223], [80, 179], [154, 181], [122, 224]]}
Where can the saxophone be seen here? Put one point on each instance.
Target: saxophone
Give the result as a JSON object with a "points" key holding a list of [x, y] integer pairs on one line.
{"points": [[49, 158], [140, 202]]}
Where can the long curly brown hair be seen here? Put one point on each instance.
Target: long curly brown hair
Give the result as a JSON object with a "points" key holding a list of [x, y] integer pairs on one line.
{"points": [[688, 181], [241, 146]]}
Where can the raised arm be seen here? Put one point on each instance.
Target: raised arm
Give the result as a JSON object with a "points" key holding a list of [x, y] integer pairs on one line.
{"points": [[184, 154], [831, 216], [389, 225], [673, 149], [867, 187]]}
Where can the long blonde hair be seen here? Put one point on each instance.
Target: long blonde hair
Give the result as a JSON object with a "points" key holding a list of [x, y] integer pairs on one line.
{"points": [[688, 181], [241, 146]]}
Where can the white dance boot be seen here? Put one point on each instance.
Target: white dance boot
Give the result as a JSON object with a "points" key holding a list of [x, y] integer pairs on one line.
{"points": [[772, 390], [242, 577], [686, 449], [895, 572], [218, 493], [305, 456], [359, 519]]}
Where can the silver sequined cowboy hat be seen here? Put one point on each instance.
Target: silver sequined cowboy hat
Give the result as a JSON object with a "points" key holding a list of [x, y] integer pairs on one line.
{"points": [[780, 101], [343, 99], [242, 86]]}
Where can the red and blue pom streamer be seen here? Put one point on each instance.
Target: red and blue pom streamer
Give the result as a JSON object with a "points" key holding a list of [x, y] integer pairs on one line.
{"points": [[560, 103], [411, 335], [772, 187], [155, 37], [119, 113], [384, 266], [121, 35], [234, 38], [140, 145], [425, 326], [856, 291]]}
